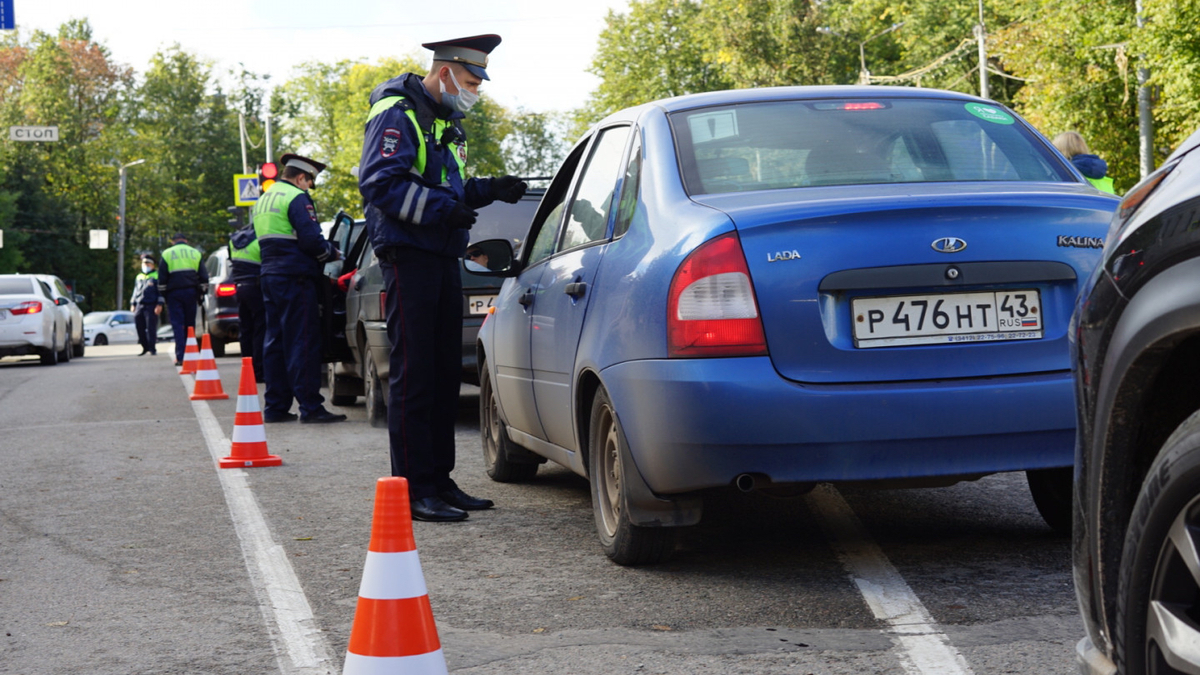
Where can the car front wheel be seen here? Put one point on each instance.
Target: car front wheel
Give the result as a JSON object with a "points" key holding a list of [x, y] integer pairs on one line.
{"points": [[498, 450], [1158, 596], [624, 543], [100, 340], [1051, 490]]}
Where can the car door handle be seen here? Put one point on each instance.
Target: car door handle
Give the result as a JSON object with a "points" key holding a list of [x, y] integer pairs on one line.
{"points": [[576, 289], [526, 298]]}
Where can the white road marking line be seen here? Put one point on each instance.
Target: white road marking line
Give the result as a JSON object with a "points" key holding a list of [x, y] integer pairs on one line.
{"points": [[924, 649], [300, 648]]}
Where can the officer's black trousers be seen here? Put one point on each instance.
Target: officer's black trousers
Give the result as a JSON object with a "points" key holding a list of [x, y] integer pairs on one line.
{"points": [[146, 322], [181, 308], [252, 323], [292, 345], [424, 321]]}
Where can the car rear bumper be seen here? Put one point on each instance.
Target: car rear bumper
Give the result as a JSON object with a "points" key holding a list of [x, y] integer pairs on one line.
{"points": [[225, 328], [699, 423]]}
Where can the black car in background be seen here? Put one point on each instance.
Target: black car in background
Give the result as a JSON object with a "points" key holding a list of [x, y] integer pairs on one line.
{"points": [[1136, 352], [218, 311], [365, 372]]}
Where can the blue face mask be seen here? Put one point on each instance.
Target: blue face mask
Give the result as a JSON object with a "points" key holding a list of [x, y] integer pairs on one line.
{"points": [[462, 101]]}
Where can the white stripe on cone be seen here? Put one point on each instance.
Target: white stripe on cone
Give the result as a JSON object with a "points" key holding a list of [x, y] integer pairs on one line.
{"points": [[247, 403], [249, 433], [433, 663], [206, 354], [392, 576], [207, 374]]}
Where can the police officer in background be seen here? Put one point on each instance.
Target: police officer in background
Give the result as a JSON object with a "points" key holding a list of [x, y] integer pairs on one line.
{"points": [[146, 305], [181, 278], [419, 208], [245, 262], [293, 253]]}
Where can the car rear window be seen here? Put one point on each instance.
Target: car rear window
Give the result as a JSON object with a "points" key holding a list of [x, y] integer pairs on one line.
{"points": [[16, 286], [789, 144]]}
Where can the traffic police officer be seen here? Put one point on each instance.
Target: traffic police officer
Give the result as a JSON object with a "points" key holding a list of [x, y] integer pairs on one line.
{"points": [[245, 262], [180, 278], [419, 206], [146, 304], [293, 253]]}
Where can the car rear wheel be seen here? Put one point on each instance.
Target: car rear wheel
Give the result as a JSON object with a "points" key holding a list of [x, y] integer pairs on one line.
{"points": [[1051, 490], [624, 543], [499, 453], [1158, 594], [376, 403], [218, 347], [101, 340], [50, 355]]}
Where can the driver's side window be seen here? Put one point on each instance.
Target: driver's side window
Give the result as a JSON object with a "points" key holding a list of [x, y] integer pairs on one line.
{"points": [[544, 232]]}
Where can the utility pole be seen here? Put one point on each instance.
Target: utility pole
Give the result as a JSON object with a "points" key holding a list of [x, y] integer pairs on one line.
{"points": [[242, 130], [268, 141], [1145, 115], [981, 38], [121, 237]]}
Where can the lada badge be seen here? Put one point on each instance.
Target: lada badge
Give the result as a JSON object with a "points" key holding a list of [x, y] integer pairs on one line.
{"points": [[948, 245]]}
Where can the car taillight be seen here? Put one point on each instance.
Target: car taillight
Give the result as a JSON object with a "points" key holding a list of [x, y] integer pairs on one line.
{"points": [[226, 290], [711, 309], [31, 307]]}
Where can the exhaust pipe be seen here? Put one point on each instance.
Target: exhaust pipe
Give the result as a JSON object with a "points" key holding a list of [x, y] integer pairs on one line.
{"points": [[744, 482]]}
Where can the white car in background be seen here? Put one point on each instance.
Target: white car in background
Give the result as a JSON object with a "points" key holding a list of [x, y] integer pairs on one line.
{"points": [[66, 300], [109, 328], [29, 320]]}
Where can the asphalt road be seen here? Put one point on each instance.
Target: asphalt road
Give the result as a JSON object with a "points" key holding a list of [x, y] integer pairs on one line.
{"points": [[124, 550]]}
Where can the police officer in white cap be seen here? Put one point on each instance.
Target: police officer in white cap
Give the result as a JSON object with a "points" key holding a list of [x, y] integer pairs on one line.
{"points": [[419, 208], [293, 255]]}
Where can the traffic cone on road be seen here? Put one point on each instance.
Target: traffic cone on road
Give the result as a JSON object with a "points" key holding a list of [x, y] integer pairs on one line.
{"points": [[249, 447], [393, 630], [191, 354], [208, 380]]}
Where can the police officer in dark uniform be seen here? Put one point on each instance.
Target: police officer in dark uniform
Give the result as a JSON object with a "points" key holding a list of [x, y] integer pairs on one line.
{"points": [[419, 208], [146, 305], [181, 278], [293, 253], [245, 264]]}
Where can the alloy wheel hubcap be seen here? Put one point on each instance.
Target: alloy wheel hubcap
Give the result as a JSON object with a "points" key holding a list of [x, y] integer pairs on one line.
{"points": [[1172, 635]]}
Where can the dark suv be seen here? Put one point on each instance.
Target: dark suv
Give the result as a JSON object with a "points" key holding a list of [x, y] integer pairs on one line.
{"points": [[218, 313], [366, 372], [1136, 351]]}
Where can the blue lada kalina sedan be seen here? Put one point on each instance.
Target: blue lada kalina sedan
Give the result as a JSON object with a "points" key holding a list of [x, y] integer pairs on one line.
{"points": [[777, 287]]}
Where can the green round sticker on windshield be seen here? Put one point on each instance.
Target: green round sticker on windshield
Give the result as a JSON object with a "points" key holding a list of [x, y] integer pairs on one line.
{"points": [[989, 113]]}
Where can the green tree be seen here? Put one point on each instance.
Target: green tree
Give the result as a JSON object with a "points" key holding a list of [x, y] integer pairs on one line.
{"points": [[1169, 47], [537, 144]]}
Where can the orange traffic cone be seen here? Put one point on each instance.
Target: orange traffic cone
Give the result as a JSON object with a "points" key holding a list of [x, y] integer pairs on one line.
{"points": [[191, 354], [208, 380], [393, 630], [249, 447]]}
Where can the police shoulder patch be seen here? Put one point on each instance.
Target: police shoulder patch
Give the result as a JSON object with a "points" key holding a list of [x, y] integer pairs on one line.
{"points": [[462, 153], [389, 141], [312, 213]]}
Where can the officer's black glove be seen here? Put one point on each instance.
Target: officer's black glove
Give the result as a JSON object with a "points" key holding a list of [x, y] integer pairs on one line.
{"points": [[508, 189], [461, 217]]}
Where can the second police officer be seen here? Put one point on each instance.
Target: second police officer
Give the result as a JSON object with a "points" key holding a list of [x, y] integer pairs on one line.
{"points": [[245, 264], [293, 252], [146, 304], [419, 207], [181, 279]]}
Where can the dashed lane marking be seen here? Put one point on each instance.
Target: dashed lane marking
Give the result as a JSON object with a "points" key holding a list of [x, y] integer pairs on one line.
{"points": [[300, 648], [923, 648]]}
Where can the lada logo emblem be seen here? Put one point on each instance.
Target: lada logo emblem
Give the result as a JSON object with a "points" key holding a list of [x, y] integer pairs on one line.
{"points": [[948, 245]]}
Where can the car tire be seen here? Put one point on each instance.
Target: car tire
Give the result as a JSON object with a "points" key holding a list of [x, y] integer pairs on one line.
{"points": [[1155, 586], [338, 384], [79, 349], [100, 340], [624, 543], [49, 355], [1051, 490], [505, 461], [64, 354], [218, 347], [376, 402]]}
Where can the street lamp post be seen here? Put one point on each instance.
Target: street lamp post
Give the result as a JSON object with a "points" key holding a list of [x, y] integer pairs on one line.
{"points": [[864, 76], [121, 237]]}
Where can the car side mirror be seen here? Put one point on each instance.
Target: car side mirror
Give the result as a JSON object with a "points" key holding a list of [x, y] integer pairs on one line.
{"points": [[114, 322], [79, 298], [491, 258], [61, 301]]}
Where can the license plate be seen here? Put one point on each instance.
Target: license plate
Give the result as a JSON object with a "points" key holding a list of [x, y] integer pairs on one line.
{"points": [[947, 318], [479, 304]]}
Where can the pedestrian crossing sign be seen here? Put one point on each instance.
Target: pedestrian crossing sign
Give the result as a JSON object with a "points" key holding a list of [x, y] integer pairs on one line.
{"points": [[245, 189]]}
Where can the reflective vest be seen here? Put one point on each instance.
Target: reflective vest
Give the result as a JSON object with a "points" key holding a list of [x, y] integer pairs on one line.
{"points": [[181, 258], [458, 147], [1103, 184], [142, 276], [250, 254], [271, 213]]}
